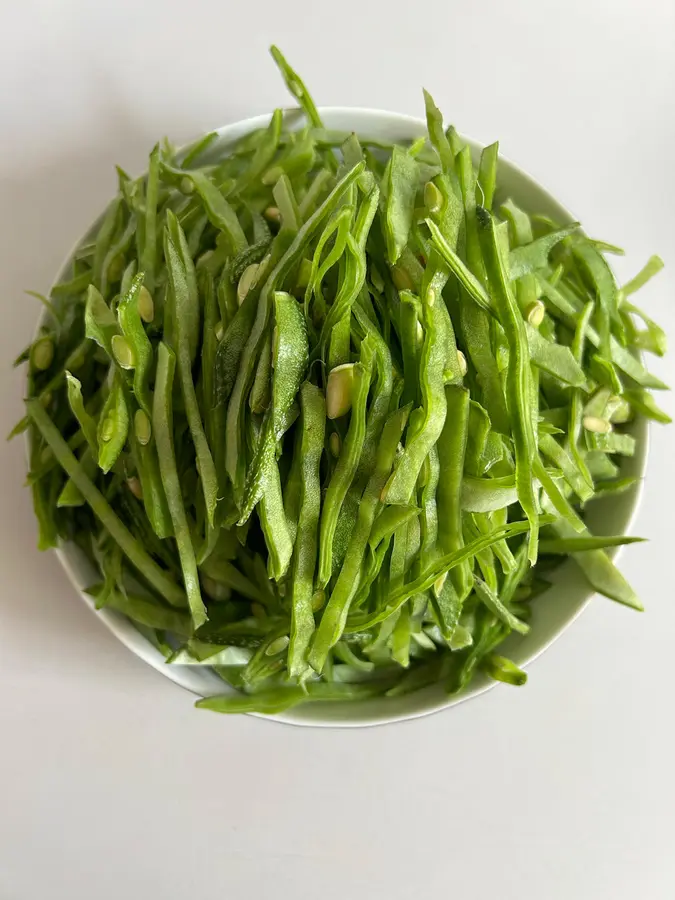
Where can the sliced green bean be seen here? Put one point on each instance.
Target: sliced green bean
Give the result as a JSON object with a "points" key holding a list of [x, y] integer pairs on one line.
{"points": [[401, 187], [335, 614], [182, 323], [313, 425], [113, 425], [84, 419], [100, 324], [134, 552], [487, 173], [518, 375], [498, 609], [451, 453], [234, 461], [219, 211], [133, 330], [531, 257], [438, 568], [289, 361], [347, 464], [162, 426], [426, 422]]}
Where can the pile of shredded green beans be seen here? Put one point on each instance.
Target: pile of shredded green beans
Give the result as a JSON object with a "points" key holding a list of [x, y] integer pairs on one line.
{"points": [[323, 413]]}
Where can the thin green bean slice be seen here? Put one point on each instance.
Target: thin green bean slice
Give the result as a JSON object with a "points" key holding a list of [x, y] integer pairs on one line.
{"points": [[134, 552], [162, 426]]}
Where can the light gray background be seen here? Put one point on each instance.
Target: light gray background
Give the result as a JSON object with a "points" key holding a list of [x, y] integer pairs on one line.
{"points": [[111, 785]]}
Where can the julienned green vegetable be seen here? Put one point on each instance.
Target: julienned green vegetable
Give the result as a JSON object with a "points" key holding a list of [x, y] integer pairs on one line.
{"points": [[319, 411]]}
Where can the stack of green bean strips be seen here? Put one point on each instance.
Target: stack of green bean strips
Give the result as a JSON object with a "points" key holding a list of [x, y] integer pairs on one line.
{"points": [[323, 412]]}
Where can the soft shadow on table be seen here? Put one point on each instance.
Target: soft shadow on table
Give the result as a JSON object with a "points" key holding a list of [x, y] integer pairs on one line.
{"points": [[44, 208]]}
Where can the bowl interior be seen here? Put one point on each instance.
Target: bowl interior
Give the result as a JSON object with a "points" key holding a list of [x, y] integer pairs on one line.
{"points": [[552, 613]]}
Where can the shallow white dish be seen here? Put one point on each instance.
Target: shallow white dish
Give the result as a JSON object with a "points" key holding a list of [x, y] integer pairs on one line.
{"points": [[552, 612]]}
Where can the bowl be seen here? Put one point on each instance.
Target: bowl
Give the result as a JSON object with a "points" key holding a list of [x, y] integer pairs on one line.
{"points": [[552, 613]]}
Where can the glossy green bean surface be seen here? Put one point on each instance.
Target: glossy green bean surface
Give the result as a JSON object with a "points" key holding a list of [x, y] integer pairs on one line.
{"points": [[323, 413]]}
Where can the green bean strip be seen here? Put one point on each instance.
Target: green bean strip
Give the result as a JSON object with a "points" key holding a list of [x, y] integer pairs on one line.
{"points": [[487, 173], [401, 187], [438, 568], [652, 267], [583, 543], [197, 149], [451, 453], [524, 260], [339, 346], [71, 495], [347, 463], [521, 229], [411, 340], [606, 291], [264, 153], [154, 498], [426, 422], [287, 205], [476, 439], [297, 88], [85, 421], [434, 280], [571, 472], [645, 404], [145, 610], [100, 324], [277, 534], [599, 570], [162, 426], [278, 699], [234, 461], [437, 134], [335, 614], [182, 317], [320, 184], [576, 403], [501, 669], [486, 522], [134, 552], [114, 259], [74, 287], [148, 255], [306, 544], [141, 349], [518, 376], [498, 609], [291, 490], [260, 397], [214, 416], [337, 226], [113, 425], [556, 359], [355, 269], [231, 348], [620, 356], [289, 361], [464, 276], [445, 603], [104, 239], [219, 211]]}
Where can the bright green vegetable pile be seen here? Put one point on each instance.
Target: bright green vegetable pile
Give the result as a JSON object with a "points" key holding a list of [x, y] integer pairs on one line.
{"points": [[314, 410]]}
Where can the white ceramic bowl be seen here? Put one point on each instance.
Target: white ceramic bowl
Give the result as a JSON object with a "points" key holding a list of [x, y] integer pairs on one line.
{"points": [[552, 612]]}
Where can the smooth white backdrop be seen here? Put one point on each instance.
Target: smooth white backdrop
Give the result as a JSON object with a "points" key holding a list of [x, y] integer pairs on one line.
{"points": [[110, 783]]}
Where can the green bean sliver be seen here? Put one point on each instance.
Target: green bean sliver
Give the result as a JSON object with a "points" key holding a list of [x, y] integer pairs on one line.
{"points": [[323, 412]]}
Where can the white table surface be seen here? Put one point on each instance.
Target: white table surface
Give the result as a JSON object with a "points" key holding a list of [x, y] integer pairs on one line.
{"points": [[111, 784]]}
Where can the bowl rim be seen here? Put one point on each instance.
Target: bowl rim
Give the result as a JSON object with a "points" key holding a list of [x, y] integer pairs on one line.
{"points": [[126, 633]]}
